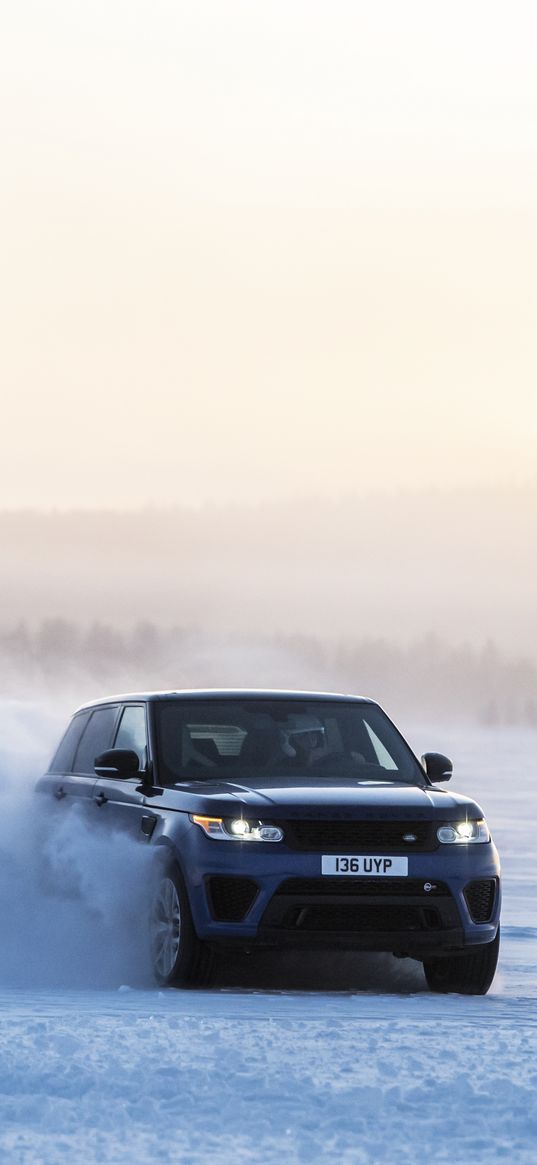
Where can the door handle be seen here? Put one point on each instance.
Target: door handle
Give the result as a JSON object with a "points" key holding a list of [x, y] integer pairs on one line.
{"points": [[59, 793], [100, 799], [147, 825]]}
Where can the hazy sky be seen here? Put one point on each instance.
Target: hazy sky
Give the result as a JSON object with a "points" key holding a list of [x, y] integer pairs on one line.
{"points": [[265, 248]]}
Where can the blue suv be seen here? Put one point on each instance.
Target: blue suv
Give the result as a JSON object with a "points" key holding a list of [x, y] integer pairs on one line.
{"points": [[287, 819]]}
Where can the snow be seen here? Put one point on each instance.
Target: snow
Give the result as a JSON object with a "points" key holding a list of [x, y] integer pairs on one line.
{"points": [[289, 1059]]}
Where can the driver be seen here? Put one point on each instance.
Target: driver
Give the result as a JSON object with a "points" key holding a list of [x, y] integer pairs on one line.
{"points": [[303, 739]]}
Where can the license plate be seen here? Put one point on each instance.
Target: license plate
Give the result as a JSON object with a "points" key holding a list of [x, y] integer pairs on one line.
{"points": [[364, 867]]}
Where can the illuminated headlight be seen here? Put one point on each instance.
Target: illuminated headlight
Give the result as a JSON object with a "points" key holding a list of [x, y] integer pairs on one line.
{"points": [[463, 832], [238, 829]]}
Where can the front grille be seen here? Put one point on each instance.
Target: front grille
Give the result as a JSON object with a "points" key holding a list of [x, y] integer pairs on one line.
{"points": [[360, 836], [364, 887], [480, 899], [231, 898], [380, 917]]}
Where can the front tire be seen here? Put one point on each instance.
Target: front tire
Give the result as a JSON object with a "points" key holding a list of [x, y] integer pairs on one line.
{"points": [[468, 974], [178, 957]]}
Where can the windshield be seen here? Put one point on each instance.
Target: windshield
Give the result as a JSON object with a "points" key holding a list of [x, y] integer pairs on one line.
{"points": [[249, 740]]}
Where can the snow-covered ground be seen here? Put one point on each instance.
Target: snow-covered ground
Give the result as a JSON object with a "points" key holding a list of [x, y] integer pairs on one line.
{"points": [[288, 1060]]}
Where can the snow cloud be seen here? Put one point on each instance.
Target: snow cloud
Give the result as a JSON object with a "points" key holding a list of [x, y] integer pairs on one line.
{"points": [[73, 901]]}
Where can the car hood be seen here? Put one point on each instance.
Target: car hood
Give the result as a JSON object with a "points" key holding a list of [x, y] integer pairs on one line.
{"points": [[310, 799]]}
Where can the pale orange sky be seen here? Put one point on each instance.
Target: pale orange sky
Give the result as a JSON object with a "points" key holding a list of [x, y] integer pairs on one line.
{"points": [[252, 250]]}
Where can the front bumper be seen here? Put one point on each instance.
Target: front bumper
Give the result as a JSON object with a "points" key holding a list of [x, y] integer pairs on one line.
{"points": [[282, 900]]}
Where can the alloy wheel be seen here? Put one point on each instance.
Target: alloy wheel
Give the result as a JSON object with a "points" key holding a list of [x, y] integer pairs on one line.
{"points": [[166, 928]]}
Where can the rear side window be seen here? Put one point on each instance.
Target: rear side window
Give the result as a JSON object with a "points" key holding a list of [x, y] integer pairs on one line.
{"points": [[96, 738], [63, 758]]}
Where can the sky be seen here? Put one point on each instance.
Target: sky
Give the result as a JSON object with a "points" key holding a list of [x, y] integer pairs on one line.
{"points": [[265, 250]]}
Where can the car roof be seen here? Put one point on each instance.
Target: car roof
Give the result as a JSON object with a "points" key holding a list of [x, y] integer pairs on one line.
{"points": [[224, 694]]}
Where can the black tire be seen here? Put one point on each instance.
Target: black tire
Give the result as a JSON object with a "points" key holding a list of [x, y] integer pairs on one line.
{"points": [[469, 974], [178, 957]]}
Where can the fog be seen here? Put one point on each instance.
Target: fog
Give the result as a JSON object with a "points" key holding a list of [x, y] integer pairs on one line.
{"points": [[423, 600], [462, 565]]}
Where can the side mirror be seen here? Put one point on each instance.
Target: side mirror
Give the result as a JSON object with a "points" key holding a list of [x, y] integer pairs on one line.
{"points": [[437, 766], [117, 762]]}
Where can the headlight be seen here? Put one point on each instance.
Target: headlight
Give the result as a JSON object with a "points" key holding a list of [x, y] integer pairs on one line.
{"points": [[463, 832], [237, 829]]}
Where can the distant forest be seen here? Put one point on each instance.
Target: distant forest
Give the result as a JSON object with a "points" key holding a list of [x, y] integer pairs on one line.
{"points": [[425, 679]]}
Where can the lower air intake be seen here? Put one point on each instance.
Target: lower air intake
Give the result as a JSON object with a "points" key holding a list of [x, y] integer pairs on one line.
{"points": [[362, 918], [231, 898], [480, 899]]}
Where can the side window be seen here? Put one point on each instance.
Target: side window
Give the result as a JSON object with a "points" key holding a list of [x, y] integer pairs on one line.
{"points": [[381, 752], [97, 737], [63, 758], [132, 732]]}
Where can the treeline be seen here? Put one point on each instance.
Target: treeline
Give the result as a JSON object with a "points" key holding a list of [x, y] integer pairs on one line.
{"points": [[427, 678]]}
